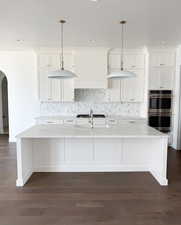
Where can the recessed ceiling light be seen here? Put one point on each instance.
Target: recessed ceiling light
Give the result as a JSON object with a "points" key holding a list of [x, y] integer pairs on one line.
{"points": [[94, 0], [163, 42], [92, 41], [19, 40]]}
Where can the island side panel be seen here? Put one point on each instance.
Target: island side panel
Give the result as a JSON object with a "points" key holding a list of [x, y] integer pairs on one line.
{"points": [[136, 154], [158, 166], [24, 160]]}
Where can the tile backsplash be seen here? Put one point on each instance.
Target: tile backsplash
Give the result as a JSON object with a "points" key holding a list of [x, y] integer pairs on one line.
{"points": [[86, 99]]}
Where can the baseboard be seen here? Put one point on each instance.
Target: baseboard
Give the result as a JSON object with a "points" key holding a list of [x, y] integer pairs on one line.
{"points": [[92, 168], [22, 181], [163, 181], [12, 140]]}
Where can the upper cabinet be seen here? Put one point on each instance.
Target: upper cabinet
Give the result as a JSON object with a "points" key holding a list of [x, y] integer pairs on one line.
{"points": [[91, 68], [162, 59], [128, 89], [132, 89], [162, 71], [54, 89], [161, 78], [132, 61]]}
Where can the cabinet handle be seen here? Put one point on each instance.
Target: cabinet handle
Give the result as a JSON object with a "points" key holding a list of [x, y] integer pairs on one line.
{"points": [[133, 66], [112, 121], [162, 64]]}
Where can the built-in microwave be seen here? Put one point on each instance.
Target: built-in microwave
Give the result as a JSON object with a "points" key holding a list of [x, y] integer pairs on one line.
{"points": [[160, 101]]}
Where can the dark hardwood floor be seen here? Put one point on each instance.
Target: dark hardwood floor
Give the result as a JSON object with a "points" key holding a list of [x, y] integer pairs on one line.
{"points": [[88, 198]]}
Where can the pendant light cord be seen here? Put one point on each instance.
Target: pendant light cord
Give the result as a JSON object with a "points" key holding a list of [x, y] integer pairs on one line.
{"points": [[122, 44], [62, 50]]}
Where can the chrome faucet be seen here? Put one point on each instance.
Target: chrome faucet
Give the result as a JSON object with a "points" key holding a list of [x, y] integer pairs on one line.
{"points": [[91, 118]]}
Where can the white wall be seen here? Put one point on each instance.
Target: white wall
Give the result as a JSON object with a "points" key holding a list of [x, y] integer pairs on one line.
{"points": [[20, 69], [176, 120], [1, 107]]}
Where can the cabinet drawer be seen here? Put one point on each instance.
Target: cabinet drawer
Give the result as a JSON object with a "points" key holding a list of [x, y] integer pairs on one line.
{"points": [[82, 121], [49, 121], [99, 121], [112, 121], [69, 121], [134, 121]]}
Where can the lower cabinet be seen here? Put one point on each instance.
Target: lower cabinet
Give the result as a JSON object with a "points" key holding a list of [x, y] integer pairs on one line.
{"points": [[93, 154]]}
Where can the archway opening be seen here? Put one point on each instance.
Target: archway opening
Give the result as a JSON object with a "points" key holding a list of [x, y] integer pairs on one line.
{"points": [[4, 111]]}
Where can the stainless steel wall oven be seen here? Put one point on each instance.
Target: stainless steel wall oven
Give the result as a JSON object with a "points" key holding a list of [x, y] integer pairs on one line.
{"points": [[160, 109]]}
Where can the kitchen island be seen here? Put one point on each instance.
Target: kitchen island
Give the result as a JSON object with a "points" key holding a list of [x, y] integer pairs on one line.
{"points": [[77, 148]]}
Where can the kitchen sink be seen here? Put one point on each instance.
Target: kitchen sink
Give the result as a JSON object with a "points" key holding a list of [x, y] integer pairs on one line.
{"points": [[94, 115]]}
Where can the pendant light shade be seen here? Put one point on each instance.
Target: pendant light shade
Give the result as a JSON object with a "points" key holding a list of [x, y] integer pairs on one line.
{"points": [[62, 73], [121, 74]]}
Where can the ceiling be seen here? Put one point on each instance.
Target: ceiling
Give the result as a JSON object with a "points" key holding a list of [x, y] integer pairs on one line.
{"points": [[34, 23]]}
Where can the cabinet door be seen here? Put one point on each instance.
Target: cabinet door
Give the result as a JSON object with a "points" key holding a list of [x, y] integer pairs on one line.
{"points": [[44, 85], [48, 88], [161, 78], [162, 59], [131, 61], [166, 78], [114, 61], [132, 89], [154, 79], [134, 61], [54, 89], [69, 61], [68, 90], [68, 85], [114, 90]]}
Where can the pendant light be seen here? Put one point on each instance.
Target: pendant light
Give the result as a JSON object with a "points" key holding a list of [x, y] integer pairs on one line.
{"points": [[61, 73], [120, 74]]}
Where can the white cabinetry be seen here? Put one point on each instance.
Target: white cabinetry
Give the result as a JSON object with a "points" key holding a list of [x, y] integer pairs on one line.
{"points": [[161, 75], [131, 89], [91, 68], [161, 78], [134, 61], [54, 89], [131, 61], [162, 59]]}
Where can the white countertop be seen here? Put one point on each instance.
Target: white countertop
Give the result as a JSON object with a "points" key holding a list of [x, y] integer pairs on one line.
{"points": [[81, 131], [74, 117]]}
